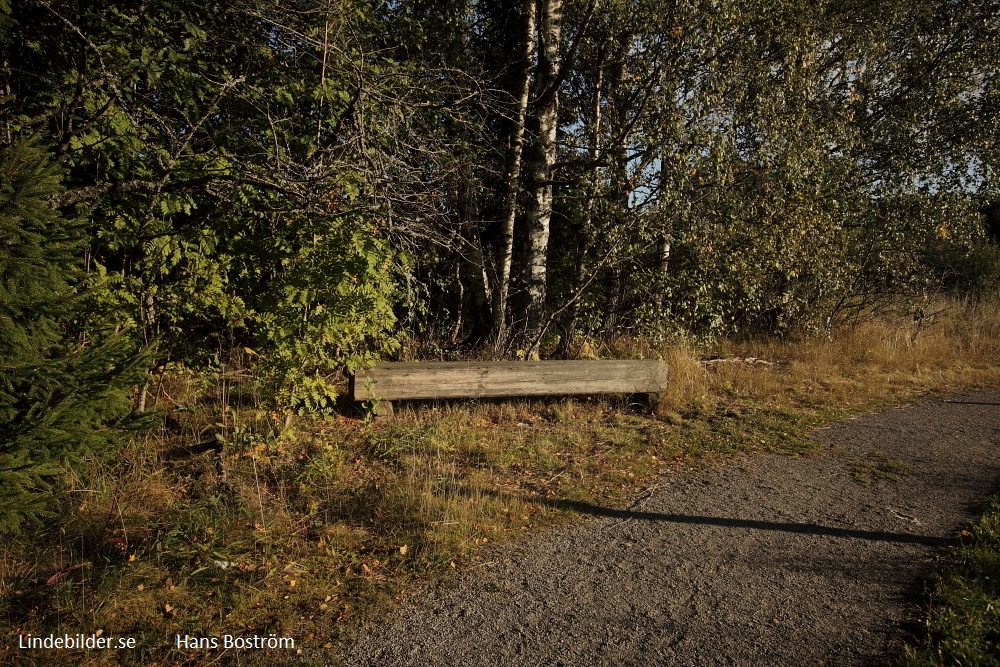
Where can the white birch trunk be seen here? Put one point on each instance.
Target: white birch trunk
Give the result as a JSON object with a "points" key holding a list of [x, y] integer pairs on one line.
{"points": [[539, 211], [506, 254]]}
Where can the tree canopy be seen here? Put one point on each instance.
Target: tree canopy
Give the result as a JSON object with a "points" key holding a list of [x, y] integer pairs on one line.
{"points": [[316, 181]]}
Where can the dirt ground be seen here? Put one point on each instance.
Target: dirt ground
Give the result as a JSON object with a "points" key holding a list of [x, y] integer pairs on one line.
{"points": [[762, 560]]}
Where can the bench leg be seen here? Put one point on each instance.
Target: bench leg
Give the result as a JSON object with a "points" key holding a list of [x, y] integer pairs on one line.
{"points": [[645, 401]]}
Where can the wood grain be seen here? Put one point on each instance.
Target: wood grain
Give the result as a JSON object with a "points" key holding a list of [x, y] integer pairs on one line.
{"points": [[428, 380]]}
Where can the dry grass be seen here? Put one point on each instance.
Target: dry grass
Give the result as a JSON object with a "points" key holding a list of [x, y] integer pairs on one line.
{"points": [[305, 528], [958, 347]]}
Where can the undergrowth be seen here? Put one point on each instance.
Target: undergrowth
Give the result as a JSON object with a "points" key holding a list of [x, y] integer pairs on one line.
{"points": [[963, 615], [234, 519]]}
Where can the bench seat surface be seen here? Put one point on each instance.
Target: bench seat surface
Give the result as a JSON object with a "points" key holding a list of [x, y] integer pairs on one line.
{"points": [[474, 379]]}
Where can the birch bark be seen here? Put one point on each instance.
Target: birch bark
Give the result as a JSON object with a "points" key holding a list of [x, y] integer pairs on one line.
{"points": [[538, 213], [505, 260]]}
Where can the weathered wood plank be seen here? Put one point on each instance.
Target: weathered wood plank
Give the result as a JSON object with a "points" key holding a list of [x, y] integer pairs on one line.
{"points": [[429, 380]]}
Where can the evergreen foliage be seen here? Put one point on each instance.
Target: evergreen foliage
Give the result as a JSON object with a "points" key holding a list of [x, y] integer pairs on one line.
{"points": [[62, 397]]}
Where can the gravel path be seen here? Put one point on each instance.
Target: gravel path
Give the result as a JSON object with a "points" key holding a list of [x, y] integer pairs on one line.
{"points": [[764, 561]]}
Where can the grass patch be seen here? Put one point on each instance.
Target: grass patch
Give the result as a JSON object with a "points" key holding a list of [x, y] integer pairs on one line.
{"points": [[232, 519], [963, 615], [874, 466]]}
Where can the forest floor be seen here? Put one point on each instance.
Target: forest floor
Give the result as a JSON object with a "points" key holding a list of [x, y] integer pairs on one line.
{"points": [[762, 560]]}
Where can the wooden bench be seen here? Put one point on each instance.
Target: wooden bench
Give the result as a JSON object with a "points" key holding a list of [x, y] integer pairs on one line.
{"points": [[387, 382]]}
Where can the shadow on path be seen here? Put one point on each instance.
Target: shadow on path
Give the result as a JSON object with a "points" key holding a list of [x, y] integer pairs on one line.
{"points": [[801, 528], [968, 402], [724, 522]]}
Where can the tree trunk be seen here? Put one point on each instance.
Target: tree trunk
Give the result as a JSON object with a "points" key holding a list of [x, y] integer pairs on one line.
{"points": [[666, 234], [585, 238], [505, 257], [475, 306], [538, 215], [619, 189]]}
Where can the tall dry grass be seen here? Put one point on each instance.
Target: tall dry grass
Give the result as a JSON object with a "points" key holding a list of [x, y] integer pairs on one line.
{"points": [[888, 357]]}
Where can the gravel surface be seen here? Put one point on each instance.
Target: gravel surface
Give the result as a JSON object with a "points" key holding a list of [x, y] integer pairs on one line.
{"points": [[765, 560]]}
